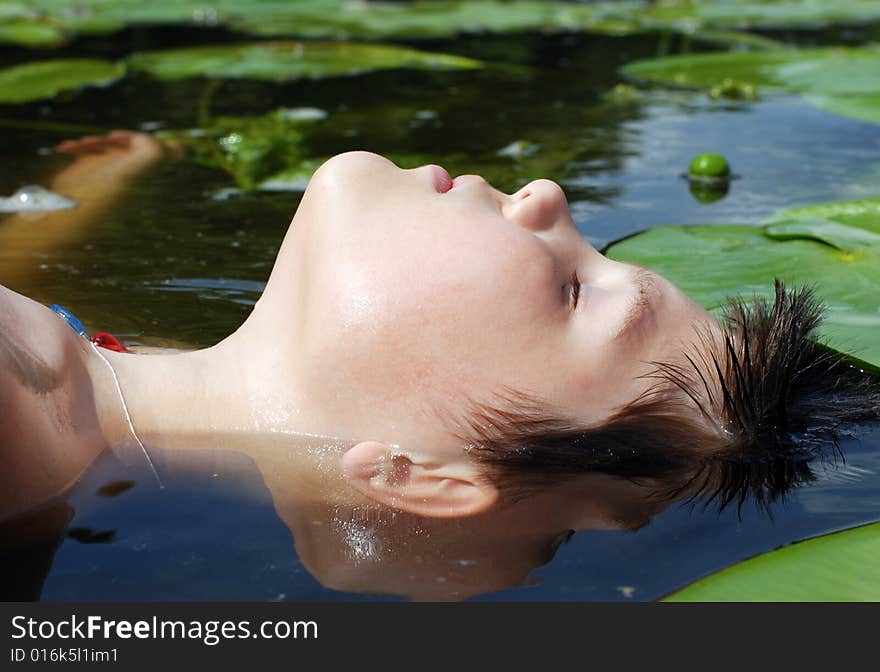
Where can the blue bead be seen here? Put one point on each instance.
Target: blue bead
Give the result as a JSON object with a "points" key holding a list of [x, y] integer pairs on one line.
{"points": [[70, 318]]}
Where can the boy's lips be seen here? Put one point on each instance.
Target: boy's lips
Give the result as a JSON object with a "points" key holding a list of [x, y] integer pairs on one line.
{"points": [[442, 179]]}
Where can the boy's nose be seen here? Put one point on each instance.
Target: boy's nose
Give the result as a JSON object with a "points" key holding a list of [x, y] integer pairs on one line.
{"points": [[538, 206]]}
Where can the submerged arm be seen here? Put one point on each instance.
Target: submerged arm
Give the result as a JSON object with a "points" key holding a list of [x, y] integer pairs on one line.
{"points": [[103, 167]]}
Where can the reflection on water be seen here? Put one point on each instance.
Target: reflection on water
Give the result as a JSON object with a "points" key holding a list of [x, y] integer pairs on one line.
{"points": [[244, 292], [239, 521]]}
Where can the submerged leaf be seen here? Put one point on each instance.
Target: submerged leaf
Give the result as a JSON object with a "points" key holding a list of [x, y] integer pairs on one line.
{"points": [[251, 149], [398, 130], [284, 61], [834, 246], [840, 567], [44, 79]]}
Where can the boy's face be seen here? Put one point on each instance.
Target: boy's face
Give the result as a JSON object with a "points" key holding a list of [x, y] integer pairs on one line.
{"points": [[410, 293]]}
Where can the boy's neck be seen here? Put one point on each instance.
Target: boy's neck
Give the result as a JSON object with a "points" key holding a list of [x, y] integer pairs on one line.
{"points": [[201, 392], [191, 408]]}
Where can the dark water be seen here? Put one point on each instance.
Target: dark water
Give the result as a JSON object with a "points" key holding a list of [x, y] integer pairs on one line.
{"points": [[175, 262]]}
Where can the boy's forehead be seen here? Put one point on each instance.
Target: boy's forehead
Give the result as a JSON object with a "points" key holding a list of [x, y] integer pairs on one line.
{"points": [[683, 353], [695, 371]]}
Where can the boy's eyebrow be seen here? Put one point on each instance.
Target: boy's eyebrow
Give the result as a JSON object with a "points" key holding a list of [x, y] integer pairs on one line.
{"points": [[646, 291]]}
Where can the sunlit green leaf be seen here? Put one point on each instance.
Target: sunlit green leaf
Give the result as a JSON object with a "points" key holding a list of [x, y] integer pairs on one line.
{"points": [[839, 567], [834, 246], [843, 80], [35, 81], [282, 61]]}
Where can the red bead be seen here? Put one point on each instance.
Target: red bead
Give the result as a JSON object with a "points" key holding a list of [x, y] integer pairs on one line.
{"points": [[104, 340]]}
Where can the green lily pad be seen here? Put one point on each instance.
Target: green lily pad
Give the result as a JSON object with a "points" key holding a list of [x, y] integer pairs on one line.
{"points": [[83, 16], [284, 61], [842, 80], [843, 237], [344, 18], [735, 39], [377, 20], [87, 15], [840, 567], [441, 18], [31, 33], [446, 18], [45, 79], [835, 246], [762, 13], [863, 213]]}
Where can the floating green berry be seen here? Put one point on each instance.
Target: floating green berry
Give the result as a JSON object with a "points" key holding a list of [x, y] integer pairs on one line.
{"points": [[709, 166]]}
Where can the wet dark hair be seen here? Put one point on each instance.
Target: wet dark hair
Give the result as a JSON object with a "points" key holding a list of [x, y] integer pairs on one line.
{"points": [[741, 416]]}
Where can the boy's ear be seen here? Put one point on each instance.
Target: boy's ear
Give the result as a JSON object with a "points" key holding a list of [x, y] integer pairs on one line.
{"points": [[426, 485]]}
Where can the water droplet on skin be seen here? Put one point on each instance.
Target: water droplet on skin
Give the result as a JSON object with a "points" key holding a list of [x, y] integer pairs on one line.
{"points": [[361, 540]]}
